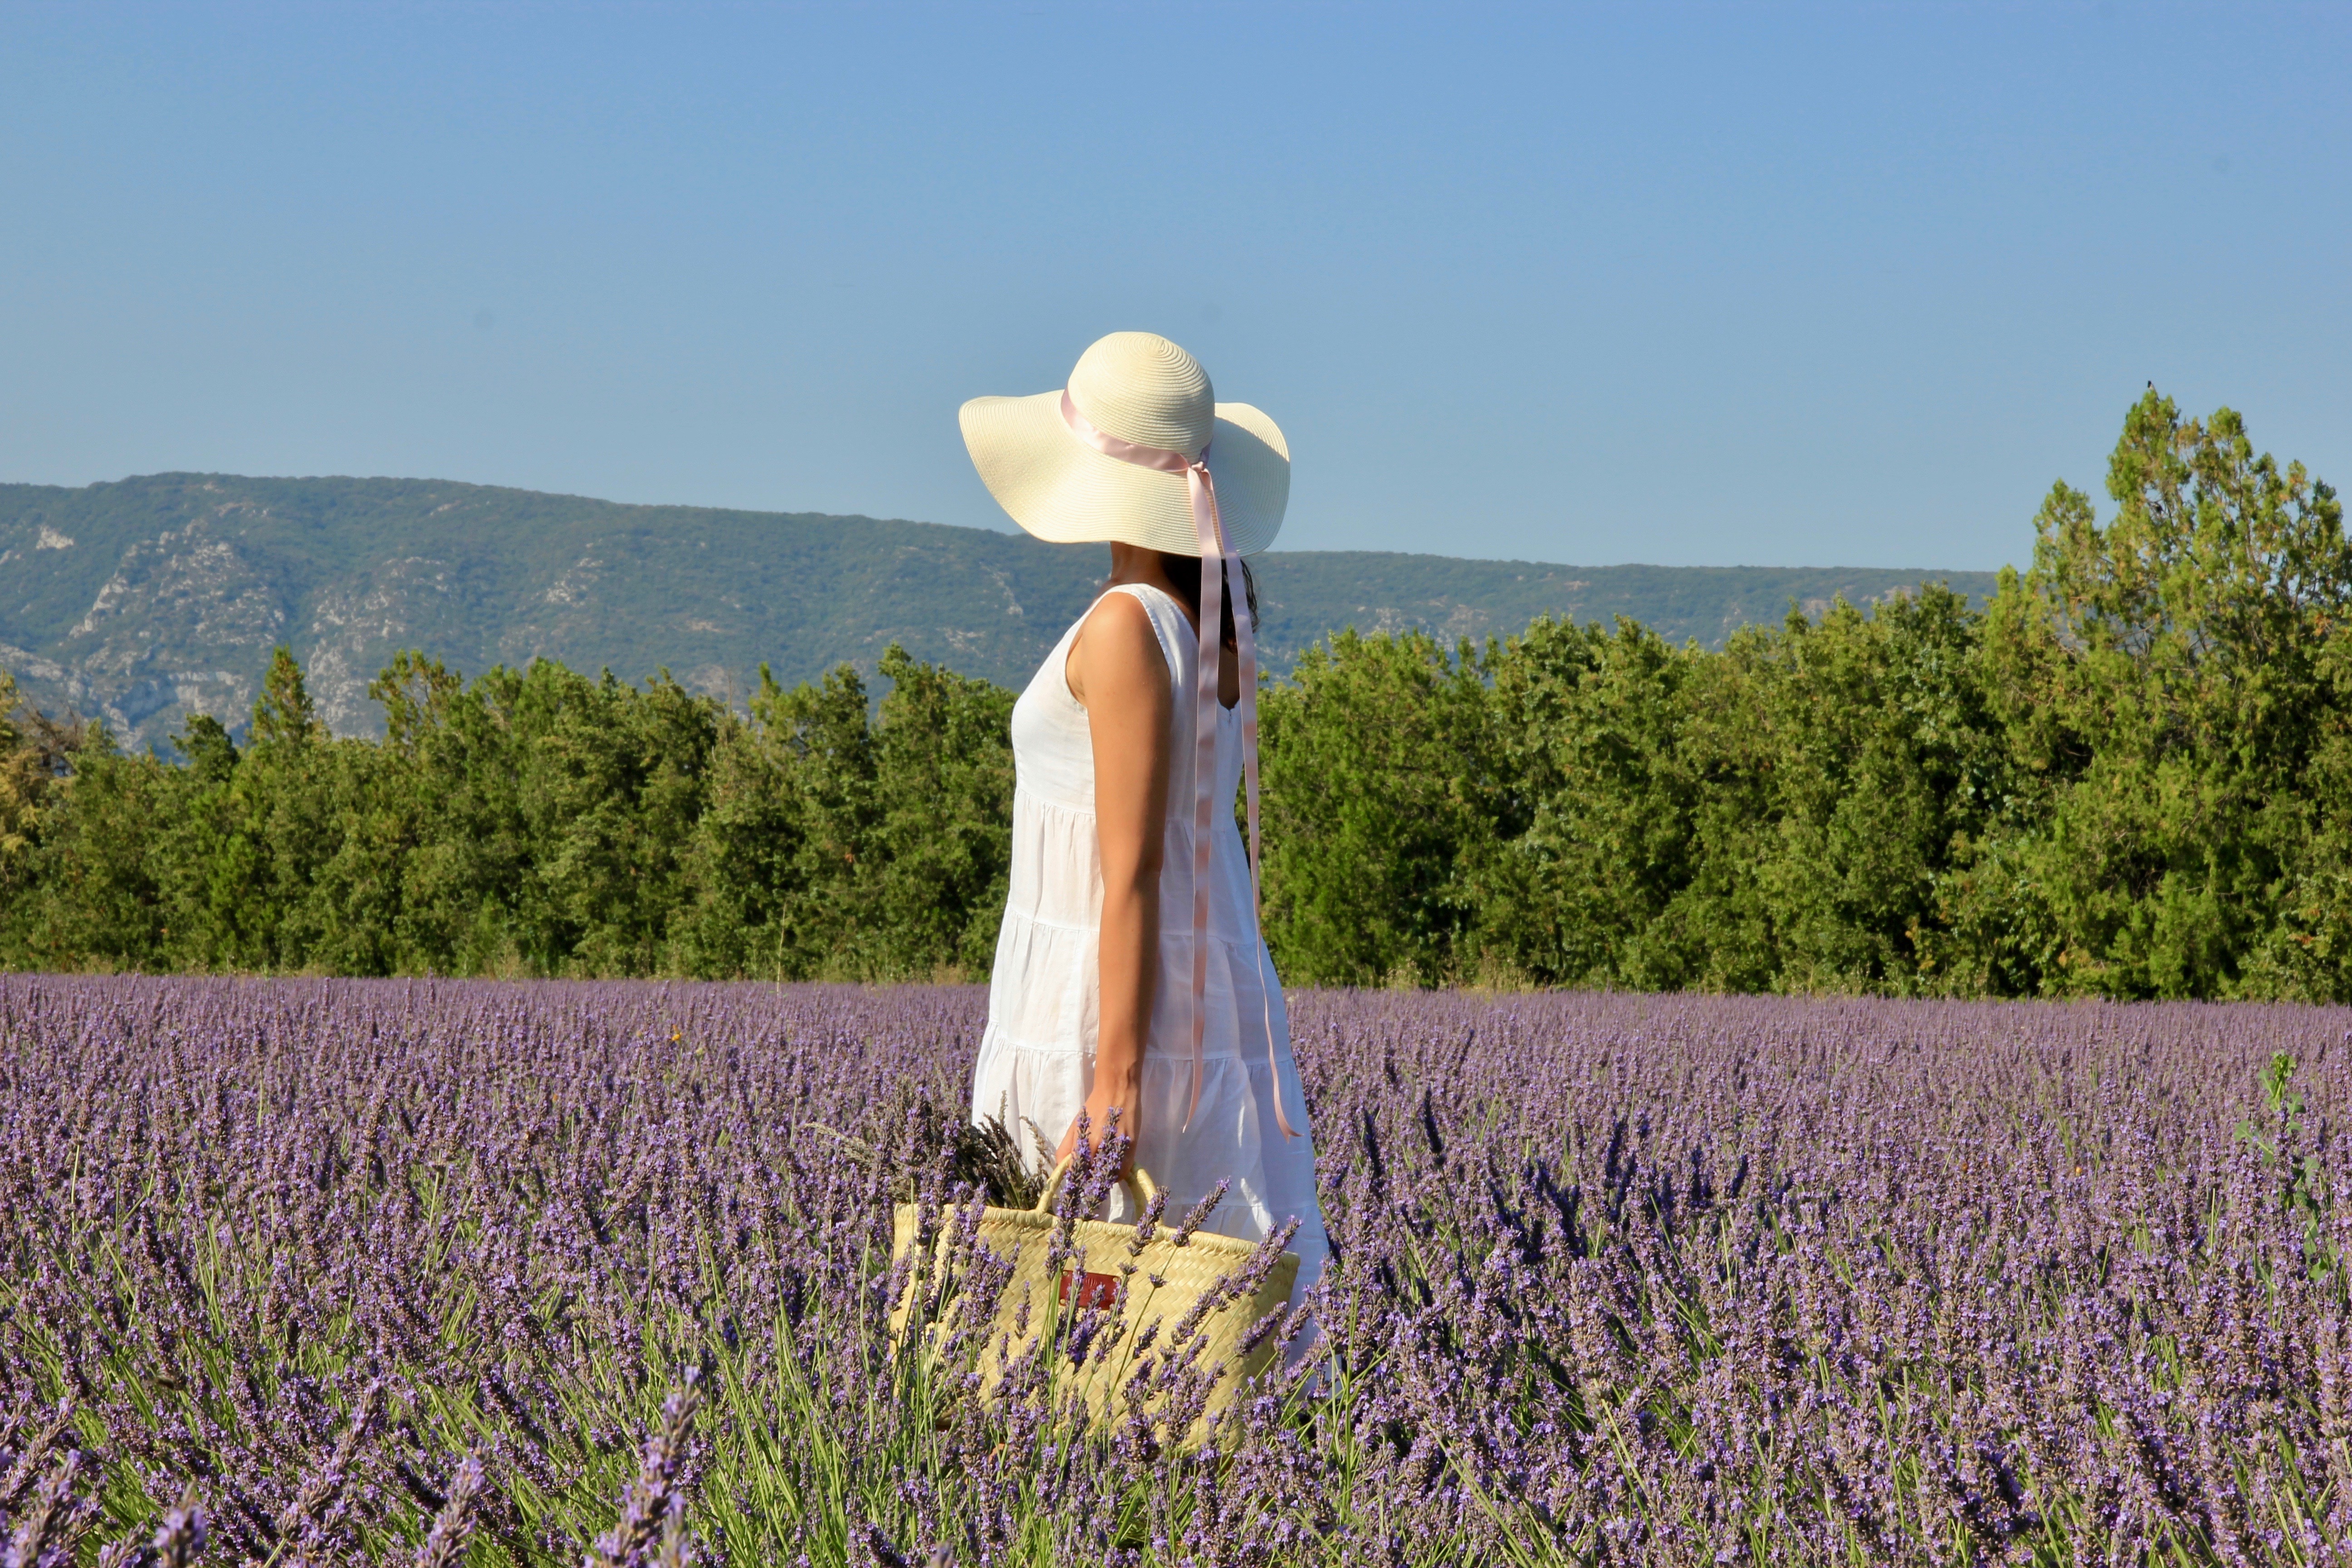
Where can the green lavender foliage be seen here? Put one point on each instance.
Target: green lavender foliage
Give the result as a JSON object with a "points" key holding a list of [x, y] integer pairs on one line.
{"points": [[2128, 774]]}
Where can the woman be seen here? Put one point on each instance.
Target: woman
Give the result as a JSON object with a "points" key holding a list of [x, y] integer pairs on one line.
{"points": [[1130, 975]]}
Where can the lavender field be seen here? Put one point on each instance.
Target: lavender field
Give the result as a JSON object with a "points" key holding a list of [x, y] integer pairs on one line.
{"points": [[334, 1271]]}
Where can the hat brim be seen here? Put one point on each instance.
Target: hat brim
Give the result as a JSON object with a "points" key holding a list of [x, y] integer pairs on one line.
{"points": [[1062, 489]]}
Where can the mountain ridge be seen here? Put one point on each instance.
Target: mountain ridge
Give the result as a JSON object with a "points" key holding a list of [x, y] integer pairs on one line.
{"points": [[145, 599]]}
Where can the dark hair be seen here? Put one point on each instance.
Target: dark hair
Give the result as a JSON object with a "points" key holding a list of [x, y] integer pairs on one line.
{"points": [[1183, 574]]}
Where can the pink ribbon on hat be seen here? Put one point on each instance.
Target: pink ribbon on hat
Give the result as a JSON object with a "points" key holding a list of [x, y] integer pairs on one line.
{"points": [[1200, 489]]}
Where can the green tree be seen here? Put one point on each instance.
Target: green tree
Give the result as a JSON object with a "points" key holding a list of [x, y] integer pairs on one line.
{"points": [[940, 841], [823, 745], [844, 843], [2164, 683], [37, 757], [92, 900], [1774, 817], [1865, 758], [34, 753], [610, 788], [470, 901], [1382, 792], [1600, 842]]}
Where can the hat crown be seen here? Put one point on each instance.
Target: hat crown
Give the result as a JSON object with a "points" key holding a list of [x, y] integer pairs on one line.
{"points": [[1142, 388]]}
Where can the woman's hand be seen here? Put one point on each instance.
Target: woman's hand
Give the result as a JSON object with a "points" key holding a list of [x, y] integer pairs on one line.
{"points": [[1117, 672], [1105, 1100]]}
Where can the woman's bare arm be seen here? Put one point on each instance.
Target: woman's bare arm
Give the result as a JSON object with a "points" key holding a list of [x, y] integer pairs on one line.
{"points": [[1119, 676]]}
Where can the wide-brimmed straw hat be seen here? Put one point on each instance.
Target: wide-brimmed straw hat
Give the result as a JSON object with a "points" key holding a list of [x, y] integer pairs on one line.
{"points": [[1048, 459]]}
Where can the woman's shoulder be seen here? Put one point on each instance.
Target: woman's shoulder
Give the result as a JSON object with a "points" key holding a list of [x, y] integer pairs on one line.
{"points": [[1119, 640], [1166, 617]]}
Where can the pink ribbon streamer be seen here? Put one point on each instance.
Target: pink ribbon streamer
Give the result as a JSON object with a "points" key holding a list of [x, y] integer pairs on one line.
{"points": [[1201, 489]]}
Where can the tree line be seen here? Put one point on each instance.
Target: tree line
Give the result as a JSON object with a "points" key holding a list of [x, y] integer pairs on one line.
{"points": [[2129, 774]]}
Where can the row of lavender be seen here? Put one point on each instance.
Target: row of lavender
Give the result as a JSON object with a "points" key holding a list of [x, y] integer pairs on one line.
{"points": [[396, 1271]]}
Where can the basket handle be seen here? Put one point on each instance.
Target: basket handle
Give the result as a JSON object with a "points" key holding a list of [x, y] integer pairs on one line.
{"points": [[1137, 1183]]}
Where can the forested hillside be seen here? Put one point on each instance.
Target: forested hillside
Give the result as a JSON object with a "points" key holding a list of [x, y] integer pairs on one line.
{"points": [[2129, 774], [141, 601]]}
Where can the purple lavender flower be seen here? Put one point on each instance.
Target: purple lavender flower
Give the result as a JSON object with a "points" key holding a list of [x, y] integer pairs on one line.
{"points": [[1624, 1277], [653, 1509]]}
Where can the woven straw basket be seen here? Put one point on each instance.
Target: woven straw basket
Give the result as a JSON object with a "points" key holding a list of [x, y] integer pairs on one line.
{"points": [[1186, 1274]]}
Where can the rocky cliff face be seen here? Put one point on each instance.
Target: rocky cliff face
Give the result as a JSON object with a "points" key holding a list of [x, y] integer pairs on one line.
{"points": [[177, 625], [143, 601]]}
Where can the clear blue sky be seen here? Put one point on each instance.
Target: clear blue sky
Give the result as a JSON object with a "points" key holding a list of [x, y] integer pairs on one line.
{"points": [[1779, 285]]}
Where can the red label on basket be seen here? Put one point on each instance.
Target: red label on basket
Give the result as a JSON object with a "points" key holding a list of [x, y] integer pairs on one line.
{"points": [[1096, 1291]]}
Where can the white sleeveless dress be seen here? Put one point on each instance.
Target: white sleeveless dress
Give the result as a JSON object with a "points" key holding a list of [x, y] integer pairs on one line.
{"points": [[1036, 1059]]}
